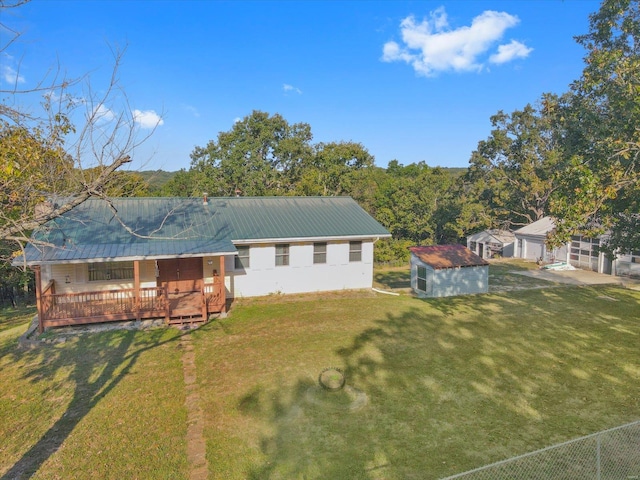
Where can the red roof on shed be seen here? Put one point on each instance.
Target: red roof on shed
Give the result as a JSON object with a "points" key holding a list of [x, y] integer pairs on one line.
{"points": [[447, 256]]}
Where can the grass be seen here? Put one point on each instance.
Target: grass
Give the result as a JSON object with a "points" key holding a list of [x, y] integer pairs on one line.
{"points": [[104, 405], [450, 384], [11, 318]]}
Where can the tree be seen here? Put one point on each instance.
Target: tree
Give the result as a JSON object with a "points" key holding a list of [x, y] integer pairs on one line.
{"points": [[513, 171], [66, 154], [260, 155], [410, 199], [333, 167], [602, 118]]}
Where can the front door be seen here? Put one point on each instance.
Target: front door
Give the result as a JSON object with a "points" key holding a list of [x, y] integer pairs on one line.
{"points": [[180, 275]]}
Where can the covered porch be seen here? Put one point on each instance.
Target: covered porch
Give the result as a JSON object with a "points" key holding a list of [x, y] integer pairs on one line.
{"points": [[190, 298]]}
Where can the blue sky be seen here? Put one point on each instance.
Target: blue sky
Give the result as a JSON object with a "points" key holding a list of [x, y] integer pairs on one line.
{"points": [[410, 80]]}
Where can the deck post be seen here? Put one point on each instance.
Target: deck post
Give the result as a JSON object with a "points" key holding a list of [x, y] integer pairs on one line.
{"points": [[38, 280], [223, 293], [205, 310], [167, 309], [136, 288]]}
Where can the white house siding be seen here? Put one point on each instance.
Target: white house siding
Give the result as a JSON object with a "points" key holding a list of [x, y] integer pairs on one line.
{"points": [[263, 277], [74, 278], [449, 282], [628, 265]]}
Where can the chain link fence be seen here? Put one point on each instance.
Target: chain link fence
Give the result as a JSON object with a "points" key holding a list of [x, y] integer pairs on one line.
{"points": [[612, 454]]}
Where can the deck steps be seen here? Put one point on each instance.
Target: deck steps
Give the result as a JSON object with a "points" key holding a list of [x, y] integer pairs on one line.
{"points": [[186, 319]]}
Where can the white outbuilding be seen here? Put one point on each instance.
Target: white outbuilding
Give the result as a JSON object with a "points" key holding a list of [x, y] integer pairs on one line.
{"points": [[447, 270], [492, 243]]}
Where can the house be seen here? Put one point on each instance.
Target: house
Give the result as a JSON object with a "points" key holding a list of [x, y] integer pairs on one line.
{"points": [[447, 270], [183, 259], [492, 243], [530, 242]]}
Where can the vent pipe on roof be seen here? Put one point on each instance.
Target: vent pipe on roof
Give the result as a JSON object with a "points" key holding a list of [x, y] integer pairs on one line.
{"points": [[238, 192], [205, 201]]}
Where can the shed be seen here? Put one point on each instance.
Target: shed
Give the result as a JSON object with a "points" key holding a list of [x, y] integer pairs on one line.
{"points": [[492, 243], [447, 270]]}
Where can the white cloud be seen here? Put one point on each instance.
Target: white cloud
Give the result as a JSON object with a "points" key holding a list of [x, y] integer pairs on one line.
{"points": [[432, 46], [510, 51], [10, 75], [290, 88], [147, 119], [103, 114]]}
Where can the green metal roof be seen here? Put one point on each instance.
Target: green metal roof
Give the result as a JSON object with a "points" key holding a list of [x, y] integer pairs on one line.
{"points": [[128, 228]]}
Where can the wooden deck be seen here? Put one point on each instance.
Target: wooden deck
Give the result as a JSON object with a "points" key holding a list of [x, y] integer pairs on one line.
{"points": [[130, 304]]}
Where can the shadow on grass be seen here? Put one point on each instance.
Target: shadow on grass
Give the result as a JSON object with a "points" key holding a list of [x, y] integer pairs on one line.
{"points": [[96, 363], [453, 387], [396, 278], [13, 317]]}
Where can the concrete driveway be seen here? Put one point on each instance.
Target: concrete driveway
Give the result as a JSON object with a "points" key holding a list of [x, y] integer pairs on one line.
{"points": [[579, 277]]}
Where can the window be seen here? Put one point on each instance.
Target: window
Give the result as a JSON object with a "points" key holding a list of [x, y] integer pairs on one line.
{"points": [[355, 251], [110, 271], [473, 246], [422, 278], [282, 254], [319, 253], [241, 261]]}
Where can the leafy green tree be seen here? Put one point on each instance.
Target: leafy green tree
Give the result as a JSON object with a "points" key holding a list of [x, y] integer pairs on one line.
{"points": [[333, 167], [182, 184], [409, 200], [260, 155], [513, 171], [602, 118]]}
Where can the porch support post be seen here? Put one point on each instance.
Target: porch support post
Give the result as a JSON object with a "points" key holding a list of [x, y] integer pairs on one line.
{"points": [[224, 290], [205, 308], [136, 288], [38, 274], [167, 308]]}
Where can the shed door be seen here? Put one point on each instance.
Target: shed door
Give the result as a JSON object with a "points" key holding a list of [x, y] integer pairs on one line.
{"points": [[180, 274]]}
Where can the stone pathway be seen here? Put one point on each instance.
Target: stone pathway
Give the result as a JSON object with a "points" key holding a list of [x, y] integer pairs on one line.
{"points": [[196, 445]]}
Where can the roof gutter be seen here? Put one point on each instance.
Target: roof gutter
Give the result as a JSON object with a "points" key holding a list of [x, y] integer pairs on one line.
{"points": [[254, 241]]}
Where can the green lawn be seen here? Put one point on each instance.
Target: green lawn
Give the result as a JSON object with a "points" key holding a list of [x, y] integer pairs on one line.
{"points": [[104, 405], [449, 385]]}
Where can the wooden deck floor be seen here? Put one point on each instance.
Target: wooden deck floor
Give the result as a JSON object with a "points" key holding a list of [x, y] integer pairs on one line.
{"points": [[185, 306]]}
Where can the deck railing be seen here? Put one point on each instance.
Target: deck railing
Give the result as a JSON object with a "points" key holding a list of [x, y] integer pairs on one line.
{"points": [[87, 307], [58, 309], [213, 296]]}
